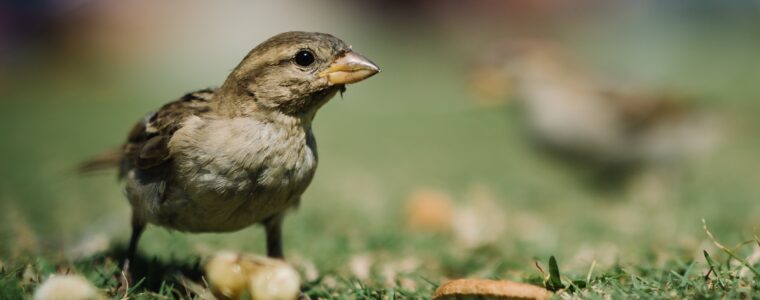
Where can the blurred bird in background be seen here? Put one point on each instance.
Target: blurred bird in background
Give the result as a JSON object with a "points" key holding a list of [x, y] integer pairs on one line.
{"points": [[611, 129]]}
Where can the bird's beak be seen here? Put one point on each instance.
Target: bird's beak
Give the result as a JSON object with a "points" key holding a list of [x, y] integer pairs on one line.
{"points": [[351, 67], [491, 86]]}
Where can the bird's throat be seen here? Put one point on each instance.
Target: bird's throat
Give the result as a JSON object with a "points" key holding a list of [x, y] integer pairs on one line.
{"points": [[319, 98]]}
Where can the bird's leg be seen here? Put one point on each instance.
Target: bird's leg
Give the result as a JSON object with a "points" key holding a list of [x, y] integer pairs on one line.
{"points": [[273, 228], [138, 226]]}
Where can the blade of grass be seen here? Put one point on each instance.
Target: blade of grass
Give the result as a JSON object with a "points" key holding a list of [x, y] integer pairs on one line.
{"points": [[555, 282], [713, 269], [729, 252], [540, 269], [590, 271], [685, 276]]}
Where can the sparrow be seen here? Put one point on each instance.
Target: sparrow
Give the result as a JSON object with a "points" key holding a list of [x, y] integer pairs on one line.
{"points": [[222, 159], [575, 115]]}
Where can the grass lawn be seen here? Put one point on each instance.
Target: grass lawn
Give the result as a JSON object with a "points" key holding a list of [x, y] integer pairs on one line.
{"points": [[412, 127]]}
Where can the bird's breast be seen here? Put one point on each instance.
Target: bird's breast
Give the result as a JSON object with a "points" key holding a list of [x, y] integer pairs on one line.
{"points": [[238, 172]]}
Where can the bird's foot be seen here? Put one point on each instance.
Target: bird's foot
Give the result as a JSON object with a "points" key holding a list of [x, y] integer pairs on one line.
{"points": [[125, 278]]}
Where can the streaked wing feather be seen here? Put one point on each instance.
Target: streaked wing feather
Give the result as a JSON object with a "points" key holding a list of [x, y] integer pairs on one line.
{"points": [[147, 144]]}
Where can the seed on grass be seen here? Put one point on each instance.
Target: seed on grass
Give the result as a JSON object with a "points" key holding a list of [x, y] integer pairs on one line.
{"points": [[227, 275], [429, 210], [489, 289], [275, 281], [68, 287], [361, 266], [234, 276], [88, 246]]}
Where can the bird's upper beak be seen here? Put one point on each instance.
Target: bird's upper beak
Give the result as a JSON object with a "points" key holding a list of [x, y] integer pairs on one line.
{"points": [[351, 67]]}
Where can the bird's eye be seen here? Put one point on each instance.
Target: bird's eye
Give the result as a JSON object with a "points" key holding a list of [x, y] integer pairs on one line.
{"points": [[304, 58]]}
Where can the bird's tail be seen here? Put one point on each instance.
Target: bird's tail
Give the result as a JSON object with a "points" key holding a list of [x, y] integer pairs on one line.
{"points": [[104, 161]]}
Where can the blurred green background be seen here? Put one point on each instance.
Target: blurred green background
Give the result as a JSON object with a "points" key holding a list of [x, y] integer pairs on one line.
{"points": [[76, 76]]}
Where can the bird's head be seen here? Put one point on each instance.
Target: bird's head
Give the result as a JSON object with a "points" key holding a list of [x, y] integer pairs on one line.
{"points": [[296, 72], [496, 76]]}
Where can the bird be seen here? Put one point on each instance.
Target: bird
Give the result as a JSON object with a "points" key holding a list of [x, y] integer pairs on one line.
{"points": [[223, 159], [609, 128]]}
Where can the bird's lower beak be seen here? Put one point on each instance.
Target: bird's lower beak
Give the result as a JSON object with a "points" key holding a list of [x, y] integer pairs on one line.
{"points": [[349, 68]]}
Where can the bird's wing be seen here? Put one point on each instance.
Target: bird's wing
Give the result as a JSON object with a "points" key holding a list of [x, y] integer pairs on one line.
{"points": [[643, 110], [147, 143]]}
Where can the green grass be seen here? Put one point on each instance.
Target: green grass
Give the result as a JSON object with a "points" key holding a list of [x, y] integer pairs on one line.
{"points": [[410, 127]]}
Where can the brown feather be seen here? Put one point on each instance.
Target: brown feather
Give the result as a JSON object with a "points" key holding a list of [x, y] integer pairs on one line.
{"points": [[104, 161], [146, 145]]}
